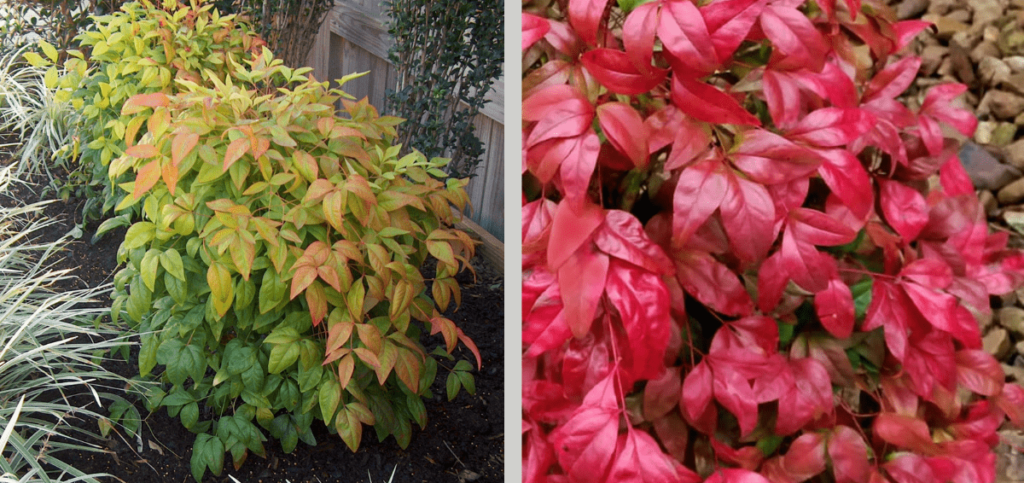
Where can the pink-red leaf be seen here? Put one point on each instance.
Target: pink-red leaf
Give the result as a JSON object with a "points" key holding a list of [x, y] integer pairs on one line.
{"points": [[578, 166], [892, 80], [625, 129], [735, 475], [849, 455], [904, 208], [729, 22], [707, 103], [661, 395], [570, 228], [805, 458], [793, 35], [848, 180], [906, 432], [615, 71], [623, 237], [585, 17], [835, 308], [748, 215], [582, 280], [638, 34], [642, 301], [831, 126], [697, 391], [771, 159], [734, 392], [811, 398], [585, 444], [817, 228], [560, 111], [699, 192], [534, 29], [980, 372], [638, 458], [683, 33], [712, 283]]}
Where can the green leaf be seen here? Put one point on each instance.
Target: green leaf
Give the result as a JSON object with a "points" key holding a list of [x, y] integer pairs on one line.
{"points": [[329, 398], [148, 268], [467, 382], [283, 335], [138, 235], [241, 360], [171, 261], [35, 59], [207, 452], [453, 384], [49, 50], [282, 356], [189, 415]]}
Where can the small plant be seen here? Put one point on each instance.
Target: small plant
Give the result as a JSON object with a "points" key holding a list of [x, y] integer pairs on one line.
{"points": [[745, 258], [57, 22], [447, 54], [49, 352], [289, 26], [275, 274]]}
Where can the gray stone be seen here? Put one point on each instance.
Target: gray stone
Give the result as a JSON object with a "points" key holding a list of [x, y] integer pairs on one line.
{"points": [[996, 343], [1015, 83], [988, 201], [986, 48], [986, 11], [1012, 319], [1015, 62], [986, 172], [1012, 193], [931, 58]]}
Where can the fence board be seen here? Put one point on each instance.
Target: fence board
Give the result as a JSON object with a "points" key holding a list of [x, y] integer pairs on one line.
{"points": [[353, 39]]}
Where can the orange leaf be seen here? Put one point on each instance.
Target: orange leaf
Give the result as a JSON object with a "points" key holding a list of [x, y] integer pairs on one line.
{"points": [[147, 177], [235, 151], [303, 277], [317, 301], [182, 145], [346, 366], [260, 146], [170, 175], [471, 346], [137, 103], [142, 151]]}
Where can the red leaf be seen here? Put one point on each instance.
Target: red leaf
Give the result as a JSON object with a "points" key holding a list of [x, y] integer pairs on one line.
{"points": [[585, 444], [1011, 401], [538, 455], [817, 228], [831, 126], [712, 283], [729, 22], [561, 111], [639, 459], [625, 129], [772, 159], [848, 180], [534, 29], [937, 307], [746, 457], [615, 71], [623, 237], [849, 455], [545, 401], [748, 215], [929, 272], [937, 105], [811, 398], [581, 280], [905, 432], [888, 309], [466, 341], [782, 94], [643, 303], [733, 391], [235, 151], [673, 432], [700, 190], [793, 35], [772, 278], [638, 34], [697, 391], [892, 80], [570, 229], [661, 395], [980, 372], [683, 33], [904, 208], [578, 167], [954, 178], [707, 103], [585, 17], [805, 265], [909, 468], [835, 308], [806, 457]]}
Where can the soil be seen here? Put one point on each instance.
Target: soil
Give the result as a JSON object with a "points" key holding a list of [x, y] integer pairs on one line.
{"points": [[463, 440]]}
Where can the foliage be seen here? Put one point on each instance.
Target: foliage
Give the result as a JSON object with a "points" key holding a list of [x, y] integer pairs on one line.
{"points": [[446, 54], [277, 263], [144, 48], [30, 109], [289, 26], [24, 22], [49, 353], [745, 259]]}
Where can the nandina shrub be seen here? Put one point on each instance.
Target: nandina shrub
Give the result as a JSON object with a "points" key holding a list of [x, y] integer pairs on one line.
{"points": [[275, 274], [745, 257]]}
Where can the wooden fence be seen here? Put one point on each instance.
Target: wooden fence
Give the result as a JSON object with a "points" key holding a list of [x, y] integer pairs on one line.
{"points": [[353, 38]]}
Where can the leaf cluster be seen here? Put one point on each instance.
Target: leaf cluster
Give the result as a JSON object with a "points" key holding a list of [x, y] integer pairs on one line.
{"points": [[447, 55], [746, 256]]}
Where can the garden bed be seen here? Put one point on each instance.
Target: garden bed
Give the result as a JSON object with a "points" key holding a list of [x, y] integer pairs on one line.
{"points": [[463, 440]]}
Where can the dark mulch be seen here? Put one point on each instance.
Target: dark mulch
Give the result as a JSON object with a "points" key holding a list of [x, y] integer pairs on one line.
{"points": [[463, 440]]}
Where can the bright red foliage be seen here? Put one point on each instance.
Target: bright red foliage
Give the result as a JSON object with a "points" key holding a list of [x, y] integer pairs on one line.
{"points": [[745, 259]]}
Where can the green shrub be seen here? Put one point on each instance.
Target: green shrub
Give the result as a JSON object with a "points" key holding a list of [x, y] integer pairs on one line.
{"points": [[144, 48], [277, 263]]}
